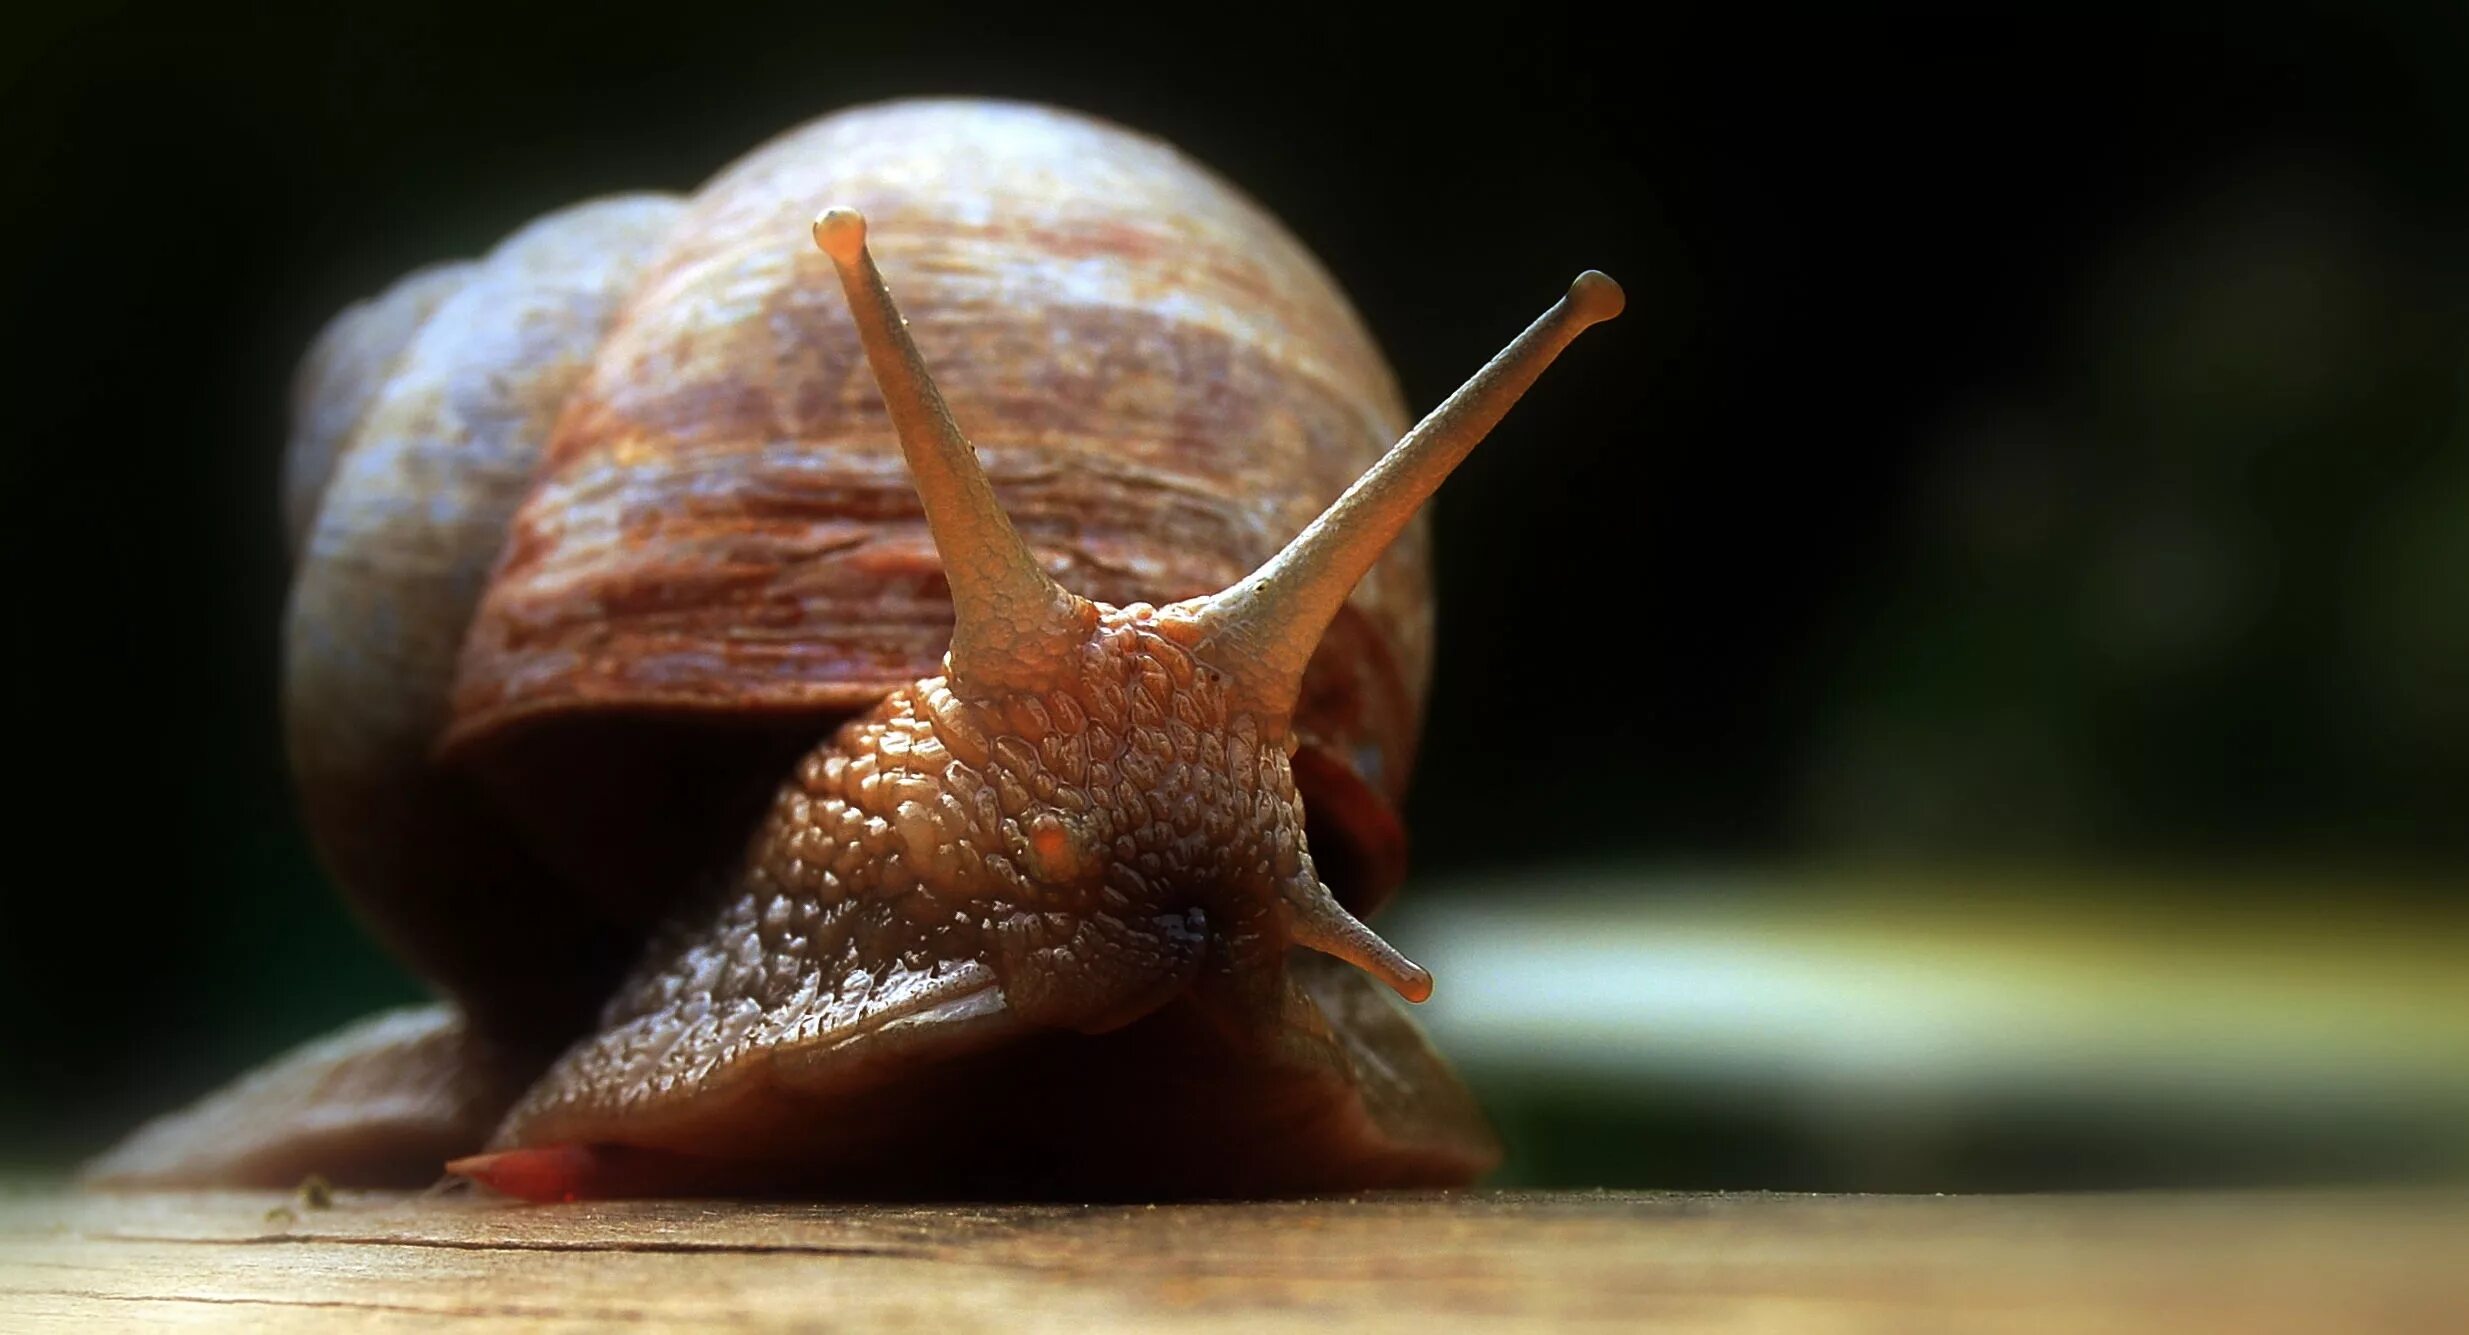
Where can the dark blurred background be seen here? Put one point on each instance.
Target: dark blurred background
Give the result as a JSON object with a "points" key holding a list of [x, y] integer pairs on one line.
{"points": [[2035, 450]]}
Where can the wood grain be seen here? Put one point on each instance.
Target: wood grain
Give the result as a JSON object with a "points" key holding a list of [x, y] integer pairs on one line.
{"points": [[2247, 1262]]}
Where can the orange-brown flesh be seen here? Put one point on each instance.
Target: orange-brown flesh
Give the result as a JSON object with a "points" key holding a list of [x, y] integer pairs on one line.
{"points": [[554, 1173], [1341, 1093], [1009, 620], [954, 881]]}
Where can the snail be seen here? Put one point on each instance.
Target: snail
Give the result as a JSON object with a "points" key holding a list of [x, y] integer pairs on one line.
{"points": [[815, 749]]}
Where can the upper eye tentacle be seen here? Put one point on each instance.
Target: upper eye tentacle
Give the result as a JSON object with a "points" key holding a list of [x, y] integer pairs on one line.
{"points": [[1016, 633], [1013, 628]]}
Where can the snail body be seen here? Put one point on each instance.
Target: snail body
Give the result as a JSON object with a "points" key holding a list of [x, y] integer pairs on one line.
{"points": [[600, 534]]}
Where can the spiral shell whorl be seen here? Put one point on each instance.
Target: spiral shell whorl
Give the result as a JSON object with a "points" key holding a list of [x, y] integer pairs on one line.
{"points": [[1164, 384]]}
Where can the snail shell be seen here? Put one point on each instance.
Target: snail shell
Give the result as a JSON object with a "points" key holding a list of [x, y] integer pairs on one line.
{"points": [[720, 551], [600, 533]]}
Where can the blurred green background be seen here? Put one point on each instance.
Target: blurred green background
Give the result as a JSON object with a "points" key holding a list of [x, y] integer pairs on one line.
{"points": [[1967, 685]]}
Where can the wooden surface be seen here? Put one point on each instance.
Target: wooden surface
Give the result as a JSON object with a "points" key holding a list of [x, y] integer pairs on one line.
{"points": [[2262, 1262]]}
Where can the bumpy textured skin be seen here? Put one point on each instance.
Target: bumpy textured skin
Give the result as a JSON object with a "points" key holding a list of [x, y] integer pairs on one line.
{"points": [[949, 876], [1077, 850], [1344, 1094], [1164, 385]]}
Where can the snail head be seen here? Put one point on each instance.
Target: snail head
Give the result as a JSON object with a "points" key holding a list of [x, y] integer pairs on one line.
{"points": [[1132, 762]]}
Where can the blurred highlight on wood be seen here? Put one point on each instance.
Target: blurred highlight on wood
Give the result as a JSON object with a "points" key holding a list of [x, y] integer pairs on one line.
{"points": [[1949, 1031], [2251, 1262]]}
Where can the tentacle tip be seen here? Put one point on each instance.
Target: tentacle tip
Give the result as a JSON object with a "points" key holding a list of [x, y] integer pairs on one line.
{"points": [[1382, 961], [1414, 983], [1593, 297], [1323, 925], [841, 234]]}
